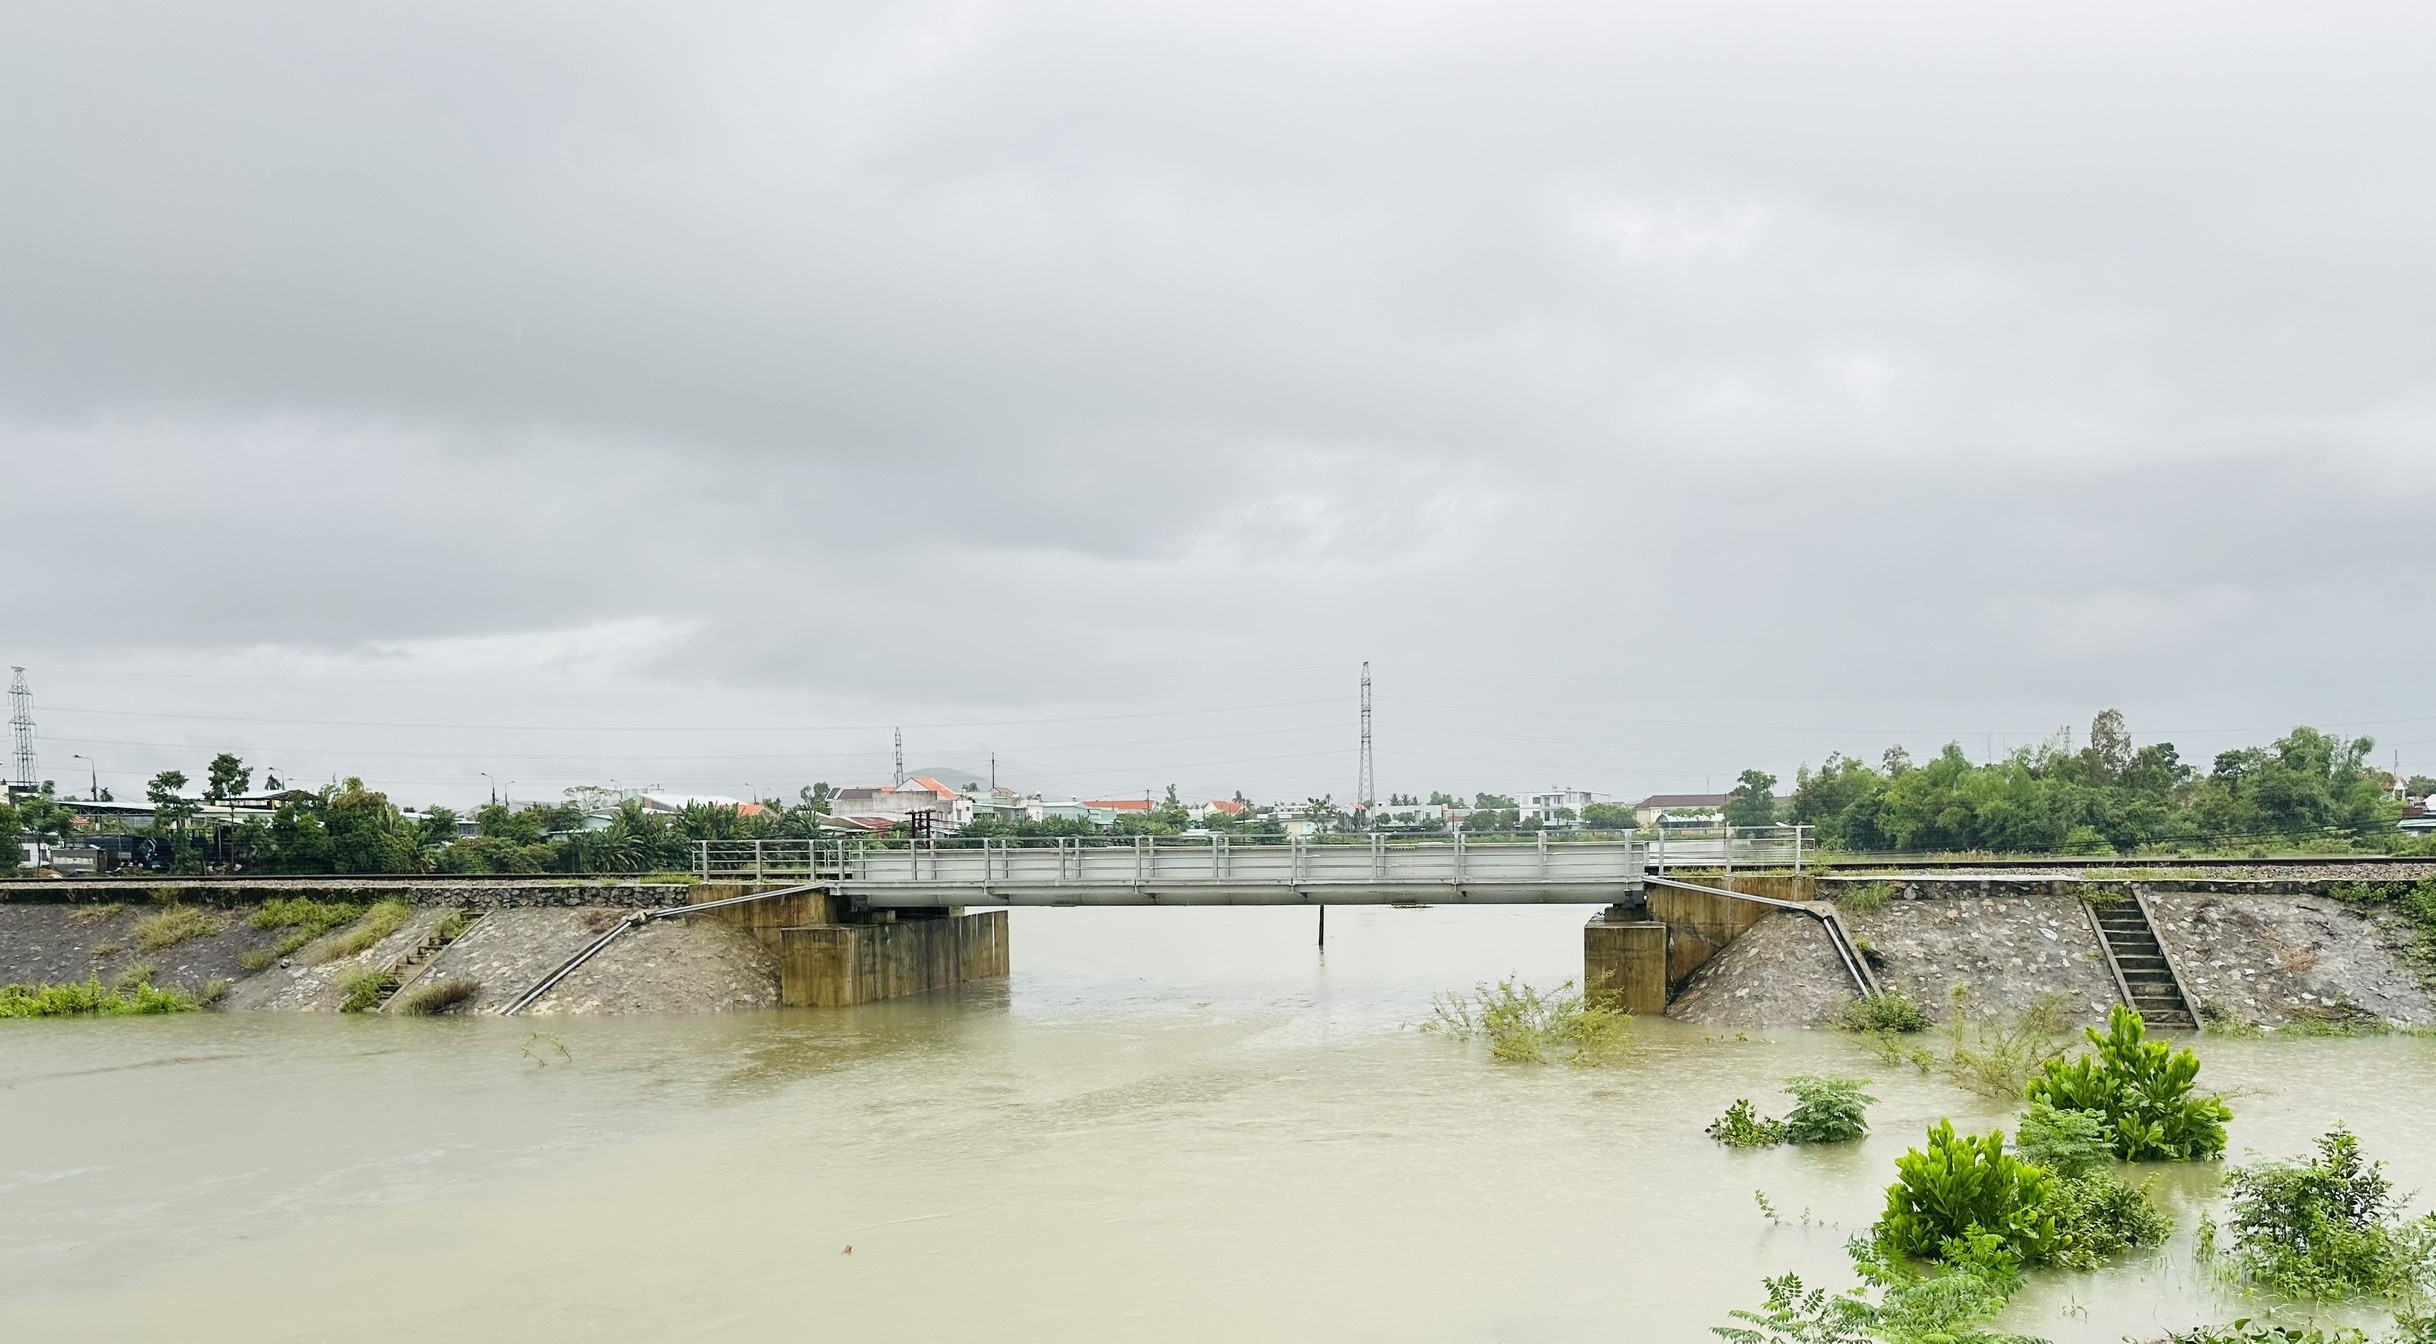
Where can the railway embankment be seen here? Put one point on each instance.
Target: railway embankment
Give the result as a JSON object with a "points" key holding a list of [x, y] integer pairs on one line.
{"points": [[329, 945], [2343, 947]]}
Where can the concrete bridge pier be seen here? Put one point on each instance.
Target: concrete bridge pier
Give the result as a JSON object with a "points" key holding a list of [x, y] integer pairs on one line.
{"points": [[1624, 955]]}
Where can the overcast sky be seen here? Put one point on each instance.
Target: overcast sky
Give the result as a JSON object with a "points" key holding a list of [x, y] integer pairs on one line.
{"points": [[688, 394]]}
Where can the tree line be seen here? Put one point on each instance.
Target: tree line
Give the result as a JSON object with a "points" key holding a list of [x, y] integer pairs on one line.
{"points": [[2307, 789]]}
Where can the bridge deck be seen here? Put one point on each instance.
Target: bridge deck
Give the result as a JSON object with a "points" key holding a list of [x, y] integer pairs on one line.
{"points": [[1149, 870]]}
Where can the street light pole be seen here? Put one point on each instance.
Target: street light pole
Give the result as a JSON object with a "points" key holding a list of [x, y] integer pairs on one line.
{"points": [[494, 783], [95, 773]]}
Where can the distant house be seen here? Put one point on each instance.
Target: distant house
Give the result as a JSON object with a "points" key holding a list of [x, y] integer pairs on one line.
{"points": [[1557, 807], [1648, 810], [1408, 815], [950, 809], [1216, 807], [1105, 811]]}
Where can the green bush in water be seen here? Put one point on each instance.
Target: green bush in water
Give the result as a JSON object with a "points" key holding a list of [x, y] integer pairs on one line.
{"points": [[1946, 1307], [2143, 1089], [1959, 1186], [1525, 1025], [2098, 1216], [2329, 1227], [1742, 1127], [1827, 1110]]}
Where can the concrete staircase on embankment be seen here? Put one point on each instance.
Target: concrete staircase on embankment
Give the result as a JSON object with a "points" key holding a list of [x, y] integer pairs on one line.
{"points": [[411, 964], [2143, 970]]}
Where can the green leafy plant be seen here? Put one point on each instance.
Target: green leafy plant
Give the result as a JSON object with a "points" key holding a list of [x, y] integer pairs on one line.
{"points": [[1891, 1011], [2068, 1143], [93, 999], [1524, 1025], [2144, 1089], [2327, 1227], [2099, 1217], [1827, 1110], [1946, 1307], [1742, 1127], [1960, 1185], [2246, 1331]]}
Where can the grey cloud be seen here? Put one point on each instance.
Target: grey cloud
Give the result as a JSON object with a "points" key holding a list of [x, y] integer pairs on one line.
{"points": [[1998, 363]]}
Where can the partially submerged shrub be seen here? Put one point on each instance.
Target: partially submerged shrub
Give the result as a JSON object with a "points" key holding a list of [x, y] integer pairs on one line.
{"points": [[2068, 1143], [1522, 1024], [1994, 1055], [2099, 1217], [2329, 1227], [1946, 1307], [1890, 1011], [1742, 1127], [1827, 1110], [433, 997], [1960, 1185], [2143, 1089], [178, 924], [94, 999]]}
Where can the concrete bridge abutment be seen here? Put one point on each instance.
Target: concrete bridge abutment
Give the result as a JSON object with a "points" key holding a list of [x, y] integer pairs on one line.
{"points": [[831, 956]]}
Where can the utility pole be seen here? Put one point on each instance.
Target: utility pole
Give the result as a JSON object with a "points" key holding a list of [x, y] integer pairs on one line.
{"points": [[993, 773], [900, 758], [1367, 787], [21, 727]]}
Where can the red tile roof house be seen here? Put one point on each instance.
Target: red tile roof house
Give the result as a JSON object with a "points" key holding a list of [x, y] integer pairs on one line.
{"points": [[893, 803]]}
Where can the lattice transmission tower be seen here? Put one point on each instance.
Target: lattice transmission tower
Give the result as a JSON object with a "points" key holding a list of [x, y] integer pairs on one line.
{"points": [[900, 758], [1366, 790], [21, 727]]}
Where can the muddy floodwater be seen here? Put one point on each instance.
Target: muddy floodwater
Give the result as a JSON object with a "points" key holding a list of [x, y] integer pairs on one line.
{"points": [[1170, 1124]]}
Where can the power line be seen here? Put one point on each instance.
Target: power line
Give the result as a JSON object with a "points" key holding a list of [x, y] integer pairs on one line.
{"points": [[692, 728]]}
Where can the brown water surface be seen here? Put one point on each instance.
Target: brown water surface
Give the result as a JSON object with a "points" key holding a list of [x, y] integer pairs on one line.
{"points": [[1171, 1124]]}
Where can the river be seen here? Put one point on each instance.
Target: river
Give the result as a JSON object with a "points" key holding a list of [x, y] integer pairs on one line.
{"points": [[1169, 1124]]}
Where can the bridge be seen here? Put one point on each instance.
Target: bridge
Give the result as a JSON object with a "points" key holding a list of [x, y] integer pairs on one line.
{"points": [[855, 920]]}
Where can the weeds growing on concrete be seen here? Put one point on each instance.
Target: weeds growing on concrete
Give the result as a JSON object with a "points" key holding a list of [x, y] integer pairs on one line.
{"points": [[139, 974], [1867, 899], [178, 924], [454, 924], [383, 919], [95, 914], [92, 999], [1890, 1011], [303, 918], [363, 988], [1522, 1024], [437, 996]]}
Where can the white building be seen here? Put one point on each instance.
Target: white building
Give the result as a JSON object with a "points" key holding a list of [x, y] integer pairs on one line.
{"points": [[1557, 807]]}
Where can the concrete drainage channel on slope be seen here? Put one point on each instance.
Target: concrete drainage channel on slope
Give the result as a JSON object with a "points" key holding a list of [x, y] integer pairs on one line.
{"points": [[625, 926]]}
